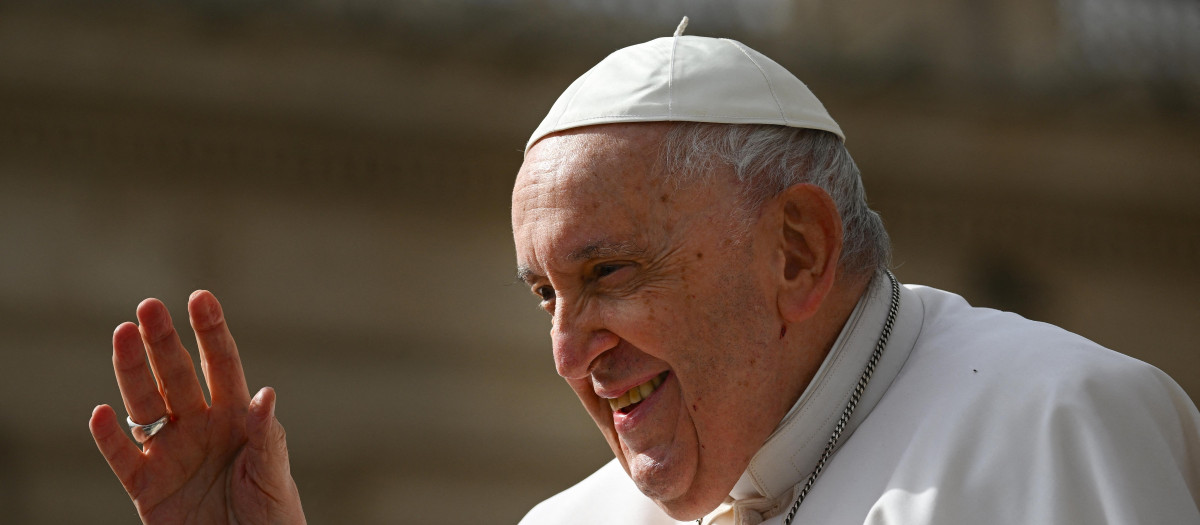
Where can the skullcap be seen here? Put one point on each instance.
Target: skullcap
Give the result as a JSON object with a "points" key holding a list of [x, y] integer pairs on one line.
{"points": [[687, 78]]}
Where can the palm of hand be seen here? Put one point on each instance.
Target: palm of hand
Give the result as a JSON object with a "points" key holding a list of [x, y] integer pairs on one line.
{"points": [[224, 463], [203, 453]]}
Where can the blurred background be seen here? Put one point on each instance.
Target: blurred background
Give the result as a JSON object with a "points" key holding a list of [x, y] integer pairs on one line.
{"points": [[337, 172]]}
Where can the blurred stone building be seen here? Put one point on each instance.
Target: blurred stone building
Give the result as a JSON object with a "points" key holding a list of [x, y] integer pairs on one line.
{"points": [[337, 172]]}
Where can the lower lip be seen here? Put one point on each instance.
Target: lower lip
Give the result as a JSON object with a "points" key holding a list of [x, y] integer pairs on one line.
{"points": [[626, 422]]}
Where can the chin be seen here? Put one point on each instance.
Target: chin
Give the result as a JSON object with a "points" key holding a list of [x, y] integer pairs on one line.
{"points": [[672, 489]]}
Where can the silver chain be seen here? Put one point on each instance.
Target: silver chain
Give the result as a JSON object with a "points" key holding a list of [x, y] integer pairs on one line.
{"points": [[855, 397]]}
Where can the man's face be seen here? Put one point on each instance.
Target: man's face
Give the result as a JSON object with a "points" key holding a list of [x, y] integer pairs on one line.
{"points": [[657, 290]]}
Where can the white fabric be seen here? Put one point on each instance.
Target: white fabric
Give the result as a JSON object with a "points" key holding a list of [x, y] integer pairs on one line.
{"points": [[974, 416], [687, 78]]}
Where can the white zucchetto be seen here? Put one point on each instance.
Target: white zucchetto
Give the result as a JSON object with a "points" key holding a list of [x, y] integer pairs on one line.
{"points": [[687, 78]]}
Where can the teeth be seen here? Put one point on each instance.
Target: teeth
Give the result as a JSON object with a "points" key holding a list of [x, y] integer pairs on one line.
{"points": [[637, 393], [645, 389]]}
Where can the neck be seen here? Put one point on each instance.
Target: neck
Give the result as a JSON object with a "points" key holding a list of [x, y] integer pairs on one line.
{"points": [[814, 338], [795, 447]]}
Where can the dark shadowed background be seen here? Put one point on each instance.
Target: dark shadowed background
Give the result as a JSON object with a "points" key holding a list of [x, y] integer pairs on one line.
{"points": [[337, 172]]}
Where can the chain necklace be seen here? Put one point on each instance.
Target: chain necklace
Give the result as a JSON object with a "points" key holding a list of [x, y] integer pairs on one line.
{"points": [[855, 397]]}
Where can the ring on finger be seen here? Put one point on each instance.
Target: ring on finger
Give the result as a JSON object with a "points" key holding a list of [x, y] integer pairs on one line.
{"points": [[143, 433]]}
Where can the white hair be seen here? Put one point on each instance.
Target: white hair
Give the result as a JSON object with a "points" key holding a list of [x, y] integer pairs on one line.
{"points": [[768, 159]]}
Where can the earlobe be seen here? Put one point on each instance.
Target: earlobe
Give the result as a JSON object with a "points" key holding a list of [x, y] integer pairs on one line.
{"points": [[810, 242]]}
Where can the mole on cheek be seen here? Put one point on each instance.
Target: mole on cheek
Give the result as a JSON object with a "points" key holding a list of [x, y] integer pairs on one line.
{"points": [[699, 255]]}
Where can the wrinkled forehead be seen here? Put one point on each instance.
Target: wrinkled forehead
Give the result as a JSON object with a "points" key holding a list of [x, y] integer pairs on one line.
{"points": [[590, 186], [587, 167], [615, 150]]}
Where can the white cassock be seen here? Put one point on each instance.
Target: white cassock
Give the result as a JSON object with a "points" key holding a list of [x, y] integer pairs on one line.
{"points": [[973, 416]]}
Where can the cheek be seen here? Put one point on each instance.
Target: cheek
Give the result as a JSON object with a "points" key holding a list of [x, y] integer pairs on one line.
{"points": [[728, 357], [664, 300]]}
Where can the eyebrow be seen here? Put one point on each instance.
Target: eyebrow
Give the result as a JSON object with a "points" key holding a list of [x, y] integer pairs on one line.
{"points": [[605, 248], [593, 250], [524, 275]]}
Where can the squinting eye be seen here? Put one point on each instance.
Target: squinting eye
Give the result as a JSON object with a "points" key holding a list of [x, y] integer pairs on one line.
{"points": [[545, 292], [605, 269]]}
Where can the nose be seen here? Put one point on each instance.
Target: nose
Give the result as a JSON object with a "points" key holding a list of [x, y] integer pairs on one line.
{"points": [[578, 337]]}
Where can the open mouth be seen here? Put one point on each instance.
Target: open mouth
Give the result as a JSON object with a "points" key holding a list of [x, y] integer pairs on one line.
{"points": [[631, 399]]}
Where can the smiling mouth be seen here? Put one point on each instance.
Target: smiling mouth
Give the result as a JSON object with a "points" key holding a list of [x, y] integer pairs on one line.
{"points": [[631, 399]]}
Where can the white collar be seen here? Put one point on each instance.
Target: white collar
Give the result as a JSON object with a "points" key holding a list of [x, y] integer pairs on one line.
{"points": [[791, 452]]}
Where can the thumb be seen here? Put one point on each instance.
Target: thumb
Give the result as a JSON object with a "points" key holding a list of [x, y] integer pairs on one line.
{"points": [[266, 467], [266, 441]]}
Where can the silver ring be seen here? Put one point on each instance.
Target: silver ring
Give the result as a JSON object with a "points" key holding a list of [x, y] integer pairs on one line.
{"points": [[143, 433]]}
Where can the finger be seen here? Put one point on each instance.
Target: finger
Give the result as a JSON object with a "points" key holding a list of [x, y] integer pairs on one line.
{"points": [[266, 438], [122, 455], [267, 466], [219, 357], [260, 418], [170, 360], [139, 391]]}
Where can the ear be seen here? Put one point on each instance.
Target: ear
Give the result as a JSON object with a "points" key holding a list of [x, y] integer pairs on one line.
{"points": [[810, 242]]}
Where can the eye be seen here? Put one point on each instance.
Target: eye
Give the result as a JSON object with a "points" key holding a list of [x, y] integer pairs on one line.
{"points": [[603, 269], [545, 292]]}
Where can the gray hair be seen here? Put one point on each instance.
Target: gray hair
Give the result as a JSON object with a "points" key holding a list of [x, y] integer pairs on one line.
{"points": [[768, 159]]}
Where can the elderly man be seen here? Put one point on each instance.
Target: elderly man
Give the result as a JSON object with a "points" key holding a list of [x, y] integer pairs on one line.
{"points": [[690, 219]]}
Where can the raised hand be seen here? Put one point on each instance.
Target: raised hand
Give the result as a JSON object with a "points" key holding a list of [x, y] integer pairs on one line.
{"points": [[221, 463]]}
